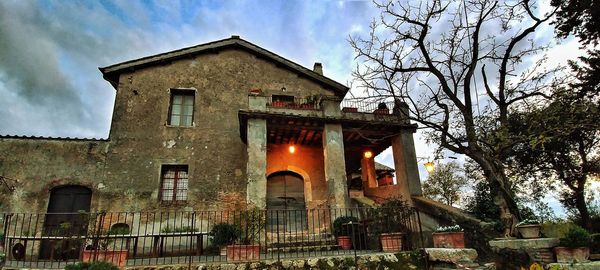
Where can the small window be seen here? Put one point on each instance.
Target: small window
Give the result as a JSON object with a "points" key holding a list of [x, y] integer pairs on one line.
{"points": [[174, 183], [181, 111]]}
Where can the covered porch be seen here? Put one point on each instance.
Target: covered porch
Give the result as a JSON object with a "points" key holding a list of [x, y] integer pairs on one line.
{"points": [[303, 159]]}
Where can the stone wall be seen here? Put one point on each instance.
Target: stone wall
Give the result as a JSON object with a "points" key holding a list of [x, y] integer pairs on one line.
{"points": [[126, 169], [38, 165], [401, 261]]}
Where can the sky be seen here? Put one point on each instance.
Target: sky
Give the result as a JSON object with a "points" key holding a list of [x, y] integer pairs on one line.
{"points": [[50, 51]]}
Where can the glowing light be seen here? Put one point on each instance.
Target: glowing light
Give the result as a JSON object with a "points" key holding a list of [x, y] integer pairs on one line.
{"points": [[429, 166], [292, 149], [368, 154]]}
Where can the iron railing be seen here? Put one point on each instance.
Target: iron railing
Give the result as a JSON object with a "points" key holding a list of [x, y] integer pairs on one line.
{"points": [[294, 103], [154, 238], [367, 106]]}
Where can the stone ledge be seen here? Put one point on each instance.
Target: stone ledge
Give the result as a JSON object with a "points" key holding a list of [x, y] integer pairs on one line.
{"points": [[524, 243], [451, 255], [575, 266]]}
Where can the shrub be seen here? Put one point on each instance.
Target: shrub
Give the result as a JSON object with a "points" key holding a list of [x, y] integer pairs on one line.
{"points": [[338, 228], [576, 237], [528, 222], [92, 266], [224, 234], [556, 229], [391, 217], [455, 228]]}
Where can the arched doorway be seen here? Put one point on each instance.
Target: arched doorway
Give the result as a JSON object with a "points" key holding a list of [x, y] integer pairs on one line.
{"points": [[64, 218], [285, 201]]}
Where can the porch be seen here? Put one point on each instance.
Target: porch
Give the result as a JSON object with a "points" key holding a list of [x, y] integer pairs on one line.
{"points": [[317, 144]]}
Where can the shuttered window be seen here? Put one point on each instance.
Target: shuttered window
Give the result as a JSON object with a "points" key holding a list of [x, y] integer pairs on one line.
{"points": [[181, 111], [174, 183]]}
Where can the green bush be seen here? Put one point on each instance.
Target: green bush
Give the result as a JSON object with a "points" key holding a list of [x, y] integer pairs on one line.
{"points": [[92, 266], [224, 234], [338, 229], [556, 229], [576, 237]]}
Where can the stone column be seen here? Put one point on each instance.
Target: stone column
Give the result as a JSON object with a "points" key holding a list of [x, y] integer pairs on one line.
{"points": [[256, 168], [405, 164], [367, 168], [335, 165]]}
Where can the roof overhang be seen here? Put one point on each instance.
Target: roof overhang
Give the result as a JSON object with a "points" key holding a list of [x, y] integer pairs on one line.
{"points": [[111, 73]]}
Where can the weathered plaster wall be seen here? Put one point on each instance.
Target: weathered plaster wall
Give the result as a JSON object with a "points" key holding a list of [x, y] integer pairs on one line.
{"points": [[140, 141], [41, 164], [306, 161]]}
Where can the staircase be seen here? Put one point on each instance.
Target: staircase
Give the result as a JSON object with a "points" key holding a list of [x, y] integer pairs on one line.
{"points": [[301, 242]]}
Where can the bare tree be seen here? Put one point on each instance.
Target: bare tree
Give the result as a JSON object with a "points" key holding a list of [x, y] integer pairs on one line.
{"points": [[434, 55]]}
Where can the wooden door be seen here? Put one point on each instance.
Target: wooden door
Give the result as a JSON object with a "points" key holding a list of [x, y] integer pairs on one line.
{"points": [[285, 202], [64, 218]]}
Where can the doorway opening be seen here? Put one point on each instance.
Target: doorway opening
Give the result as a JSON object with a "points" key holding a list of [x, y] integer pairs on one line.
{"points": [[285, 202]]}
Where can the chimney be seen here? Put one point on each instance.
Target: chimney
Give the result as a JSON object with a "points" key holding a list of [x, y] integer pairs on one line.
{"points": [[318, 68]]}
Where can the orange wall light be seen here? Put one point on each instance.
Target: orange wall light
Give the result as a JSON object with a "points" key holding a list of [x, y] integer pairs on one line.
{"points": [[292, 149], [368, 154]]}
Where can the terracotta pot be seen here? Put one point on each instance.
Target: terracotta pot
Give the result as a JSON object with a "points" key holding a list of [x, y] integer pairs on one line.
{"points": [[391, 242], [349, 109], [382, 111], [116, 257], [529, 231], [242, 253], [570, 255], [345, 242], [449, 240]]}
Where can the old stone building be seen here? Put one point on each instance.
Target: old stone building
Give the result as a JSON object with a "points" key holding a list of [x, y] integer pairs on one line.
{"points": [[209, 126]]}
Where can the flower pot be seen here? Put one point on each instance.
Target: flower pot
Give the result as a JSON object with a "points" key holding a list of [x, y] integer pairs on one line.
{"points": [[116, 257], [571, 255], [382, 111], [449, 240], [529, 231], [349, 109], [243, 253], [223, 251], [391, 242], [345, 242]]}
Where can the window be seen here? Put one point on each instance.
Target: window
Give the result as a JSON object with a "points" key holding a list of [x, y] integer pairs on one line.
{"points": [[174, 183], [181, 112]]}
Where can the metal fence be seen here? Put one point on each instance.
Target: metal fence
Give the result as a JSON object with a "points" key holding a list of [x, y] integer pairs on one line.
{"points": [[291, 102], [367, 106], [154, 238]]}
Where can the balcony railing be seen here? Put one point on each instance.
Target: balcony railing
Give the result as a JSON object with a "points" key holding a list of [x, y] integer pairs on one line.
{"points": [[365, 106], [295, 103], [155, 238]]}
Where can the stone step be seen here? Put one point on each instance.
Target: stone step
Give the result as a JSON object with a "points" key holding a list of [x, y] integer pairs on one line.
{"points": [[307, 242], [304, 248], [298, 236]]}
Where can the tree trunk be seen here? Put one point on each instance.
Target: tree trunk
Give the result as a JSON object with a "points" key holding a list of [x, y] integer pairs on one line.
{"points": [[579, 197], [503, 197]]}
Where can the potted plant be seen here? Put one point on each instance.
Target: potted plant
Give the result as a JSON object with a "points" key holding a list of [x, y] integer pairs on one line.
{"points": [[449, 237], [103, 247], [389, 222], [252, 223], [382, 109], [224, 234], [574, 246], [342, 234], [529, 228]]}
